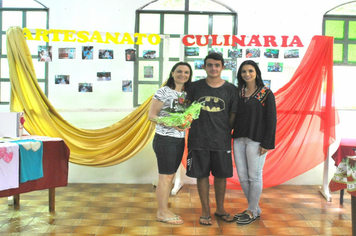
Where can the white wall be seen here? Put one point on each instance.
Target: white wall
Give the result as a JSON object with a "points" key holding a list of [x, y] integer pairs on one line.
{"points": [[276, 17]]}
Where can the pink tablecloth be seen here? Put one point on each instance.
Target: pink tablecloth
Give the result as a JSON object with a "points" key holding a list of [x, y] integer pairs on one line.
{"points": [[344, 150]]}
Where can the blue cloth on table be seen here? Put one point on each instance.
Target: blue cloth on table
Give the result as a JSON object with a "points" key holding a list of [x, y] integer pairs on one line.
{"points": [[31, 154]]}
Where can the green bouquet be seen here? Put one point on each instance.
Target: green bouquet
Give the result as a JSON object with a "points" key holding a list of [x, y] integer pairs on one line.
{"points": [[182, 118]]}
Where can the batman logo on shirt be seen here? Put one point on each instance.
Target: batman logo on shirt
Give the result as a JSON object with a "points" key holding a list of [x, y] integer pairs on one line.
{"points": [[212, 104]]}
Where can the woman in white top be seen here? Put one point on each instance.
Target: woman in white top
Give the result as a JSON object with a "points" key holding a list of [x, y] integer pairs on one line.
{"points": [[168, 142]]}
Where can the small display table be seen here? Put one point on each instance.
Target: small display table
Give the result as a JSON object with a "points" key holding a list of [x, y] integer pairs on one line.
{"points": [[345, 149], [55, 171], [345, 178]]}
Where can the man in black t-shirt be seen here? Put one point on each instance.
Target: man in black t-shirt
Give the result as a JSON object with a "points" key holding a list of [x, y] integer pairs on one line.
{"points": [[209, 141]]}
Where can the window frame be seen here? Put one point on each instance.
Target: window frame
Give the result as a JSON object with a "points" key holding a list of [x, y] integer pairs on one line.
{"points": [[24, 23], [346, 41], [162, 13]]}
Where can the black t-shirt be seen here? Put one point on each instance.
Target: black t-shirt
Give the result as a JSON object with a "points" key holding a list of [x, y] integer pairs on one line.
{"points": [[212, 130]]}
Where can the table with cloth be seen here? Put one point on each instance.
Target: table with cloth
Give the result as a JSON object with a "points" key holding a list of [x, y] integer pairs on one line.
{"points": [[33, 163], [345, 178], [345, 149]]}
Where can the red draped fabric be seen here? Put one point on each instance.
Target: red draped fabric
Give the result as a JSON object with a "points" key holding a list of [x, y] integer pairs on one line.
{"points": [[306, 118]]}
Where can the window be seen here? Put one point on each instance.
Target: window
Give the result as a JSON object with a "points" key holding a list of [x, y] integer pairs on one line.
{"points": [[340, 23], [23, 13], [172, 19]]}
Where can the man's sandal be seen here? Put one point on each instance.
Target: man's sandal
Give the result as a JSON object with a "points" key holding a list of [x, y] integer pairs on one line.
{"points": [[224, 217], [205, 220]]}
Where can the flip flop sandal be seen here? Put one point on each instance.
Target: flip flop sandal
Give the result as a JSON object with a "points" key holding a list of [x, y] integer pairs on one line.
{"points": [[207, 218], [174, 220], [224, 217]]}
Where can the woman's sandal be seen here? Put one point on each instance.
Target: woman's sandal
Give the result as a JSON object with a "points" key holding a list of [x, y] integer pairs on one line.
{"points": [[174, 220], [245, 219], [245, 212]]}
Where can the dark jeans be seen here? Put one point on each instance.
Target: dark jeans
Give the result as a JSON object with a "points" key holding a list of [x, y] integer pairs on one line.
{"points": [[169, 152]]}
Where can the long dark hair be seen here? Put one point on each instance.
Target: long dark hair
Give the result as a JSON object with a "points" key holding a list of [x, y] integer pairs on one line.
{"points": [[241, 82], [170, 82]]}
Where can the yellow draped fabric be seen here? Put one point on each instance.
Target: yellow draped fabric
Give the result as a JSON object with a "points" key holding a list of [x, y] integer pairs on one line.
{"points": [[100, 147]]}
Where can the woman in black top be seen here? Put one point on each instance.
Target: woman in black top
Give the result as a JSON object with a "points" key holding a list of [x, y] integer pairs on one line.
{"points": [[254, 134]]}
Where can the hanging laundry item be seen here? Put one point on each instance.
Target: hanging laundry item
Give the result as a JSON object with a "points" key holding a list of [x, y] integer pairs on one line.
{"points": [[31, 154], [9, 166]]}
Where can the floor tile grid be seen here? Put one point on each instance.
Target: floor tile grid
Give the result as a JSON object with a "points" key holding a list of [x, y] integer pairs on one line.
{"points": [[114, 209]]}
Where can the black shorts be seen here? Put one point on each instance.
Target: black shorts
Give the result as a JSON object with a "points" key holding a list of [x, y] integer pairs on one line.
{"points": [[169, 152], [201, 162]]}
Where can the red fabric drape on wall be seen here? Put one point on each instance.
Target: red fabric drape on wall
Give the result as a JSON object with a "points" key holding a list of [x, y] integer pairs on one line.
{"points": [[306, 118]]}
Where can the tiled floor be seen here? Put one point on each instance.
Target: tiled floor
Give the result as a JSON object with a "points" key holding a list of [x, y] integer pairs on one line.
{"points": [[130, 209]]}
